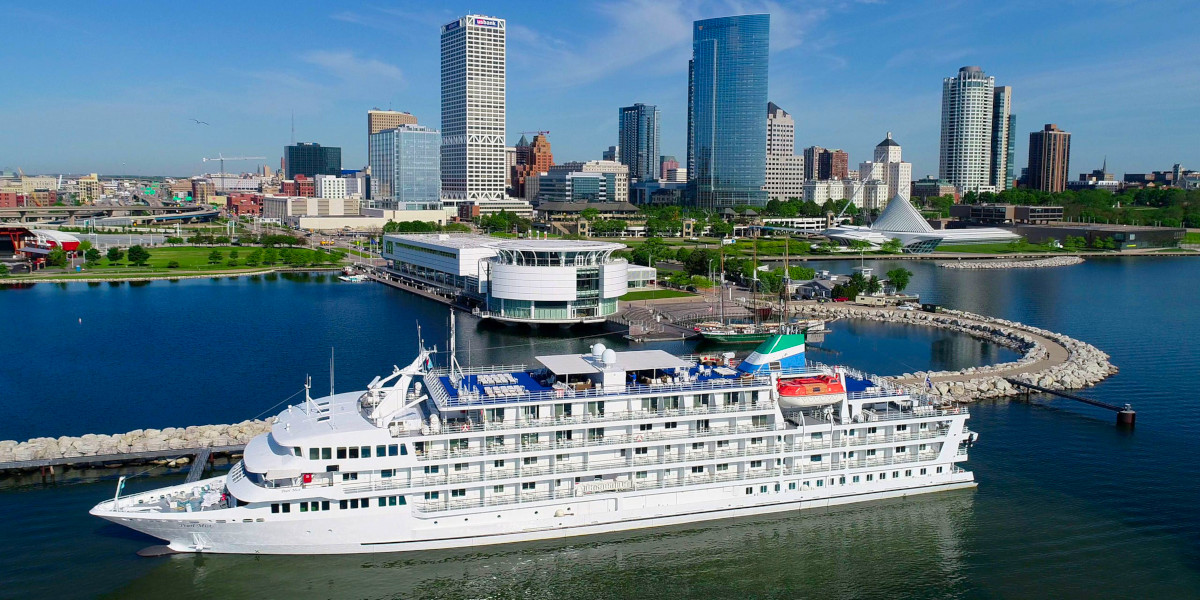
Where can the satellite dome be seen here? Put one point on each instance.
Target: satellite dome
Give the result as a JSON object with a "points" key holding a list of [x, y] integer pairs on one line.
{"points": [[598, 350], [610, 357]]}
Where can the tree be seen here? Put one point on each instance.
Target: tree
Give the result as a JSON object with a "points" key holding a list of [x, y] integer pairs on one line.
{"points": [[590, 214], [214, 257], [174, 264], [254, 258], [682, 254], [92, 256], [270, 256], [899, 277], [892, 246], [84, 246], [231, 263], [57, 258], [174, 241], [697, 263], [3, 270], [115, 254], [233, 254], [874, 286], [138, 255]]}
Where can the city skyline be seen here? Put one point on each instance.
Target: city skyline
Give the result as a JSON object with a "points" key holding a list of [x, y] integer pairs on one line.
{"points": [[130, 103]]}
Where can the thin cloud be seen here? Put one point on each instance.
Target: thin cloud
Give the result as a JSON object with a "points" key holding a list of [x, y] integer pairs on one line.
{"points": [[348, 66]]}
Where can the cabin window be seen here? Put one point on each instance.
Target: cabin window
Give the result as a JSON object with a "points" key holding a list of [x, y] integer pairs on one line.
{"points": [[365, 452], [722, 443], [792, 485], [529, 439], [326, 453], [562, 410], [697, 469], [871, 452], [332, 468], [883, 475], [596, 409], [723, 467], [401, 447], [596, 434], [702, 425], [386, 473], [922, 471], [343, 504], [756, 464], [759, 420], [756, 441], [697, 445], [562, 458], [922, 447], [646, 427], [275, 508], [498, 463], [815, 458], [431, 495], [349, 476], [641, 451], [354, 503], [901, 449], [353, 452], [341, 453], [530, 460], [820, 483], [871, 430], [460, 466], [895, 474], [431, 469], [529, 412], [324, 505], [497, 489], [495, 415], [762, 489], [870, 477], [528, 485], [902, 428], [459, 444], [816, 436], [855, 479], [640, 475], [314, 454], [703, 399], [939, 469], [670, 425], [380, 450], [563, 436], [459, 493], [296, 451]]}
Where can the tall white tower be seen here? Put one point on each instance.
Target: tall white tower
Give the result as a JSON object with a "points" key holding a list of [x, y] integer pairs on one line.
{"points": [[473, 70], [785, 170], [965, 159], [889, 168]]}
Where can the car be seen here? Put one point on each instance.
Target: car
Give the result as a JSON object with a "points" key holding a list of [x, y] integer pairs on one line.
{"points": [[905, 307], [841, 299]]}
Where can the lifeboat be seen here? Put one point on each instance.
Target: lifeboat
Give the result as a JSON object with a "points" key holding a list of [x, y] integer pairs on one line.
{"points": [[811, 390]]}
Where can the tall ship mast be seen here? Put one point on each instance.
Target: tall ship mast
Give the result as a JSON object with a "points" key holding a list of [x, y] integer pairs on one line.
{"points": [[445, 456]]}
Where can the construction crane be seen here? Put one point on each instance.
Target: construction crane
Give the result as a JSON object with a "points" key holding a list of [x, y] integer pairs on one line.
{"points": [[222, 158]]}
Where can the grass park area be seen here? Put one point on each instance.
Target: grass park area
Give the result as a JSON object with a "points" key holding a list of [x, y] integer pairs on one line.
{"points": [[188, 260], [998, 248], [1191, 237], [654, 295]]}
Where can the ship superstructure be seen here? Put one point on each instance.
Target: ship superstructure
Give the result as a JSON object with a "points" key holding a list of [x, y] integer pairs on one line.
{"points": [[443, 457]]}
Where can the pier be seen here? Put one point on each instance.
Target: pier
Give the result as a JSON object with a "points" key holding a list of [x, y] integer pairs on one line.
{"points": [[1125, 414]]}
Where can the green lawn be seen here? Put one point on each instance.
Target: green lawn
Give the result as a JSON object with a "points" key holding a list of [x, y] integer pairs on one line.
{"points": [[1191, 237], [654, 295], [191, 259]]}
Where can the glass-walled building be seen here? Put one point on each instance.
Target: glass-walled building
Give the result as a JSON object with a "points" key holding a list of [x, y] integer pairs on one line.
{"points": [[638, 134], [311, 160], [406, 168], [727, 93]]}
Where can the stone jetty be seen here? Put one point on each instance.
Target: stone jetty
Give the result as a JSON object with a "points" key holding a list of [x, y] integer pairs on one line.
{"points": [[1053, 261], [1048, 359], [140, 440]]}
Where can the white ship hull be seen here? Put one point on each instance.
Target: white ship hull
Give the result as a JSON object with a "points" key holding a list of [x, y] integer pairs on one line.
{"points": [[392, 530]]}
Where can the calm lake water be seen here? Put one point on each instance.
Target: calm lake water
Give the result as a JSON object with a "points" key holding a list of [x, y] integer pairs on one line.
{"points": [[1067, 506]]}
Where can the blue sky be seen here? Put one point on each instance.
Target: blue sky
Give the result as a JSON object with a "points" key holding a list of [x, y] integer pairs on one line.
{"points": [[110, 87]]}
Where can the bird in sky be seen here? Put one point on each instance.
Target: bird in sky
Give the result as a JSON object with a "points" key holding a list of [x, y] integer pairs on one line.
{"points": [[199, 122]]}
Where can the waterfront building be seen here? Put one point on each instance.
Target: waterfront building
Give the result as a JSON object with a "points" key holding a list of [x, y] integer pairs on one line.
{"points": [[785, 170], [405, 168], [727, 91], [889, 168], [638, 135], [1049, 158], [901, 221], [1000, 214], [331, 187], [529, 281], [666, 164], [1004, 139], [617, 174], [473, 109], [311, 160]]}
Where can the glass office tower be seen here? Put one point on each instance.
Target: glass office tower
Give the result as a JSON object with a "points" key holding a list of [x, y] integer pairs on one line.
{"points": [[311, 160], [727, 96], [406, 168]]}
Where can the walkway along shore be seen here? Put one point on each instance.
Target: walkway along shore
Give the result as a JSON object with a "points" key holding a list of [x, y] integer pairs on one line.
{"points": [[168, 276], [1049, 360]]}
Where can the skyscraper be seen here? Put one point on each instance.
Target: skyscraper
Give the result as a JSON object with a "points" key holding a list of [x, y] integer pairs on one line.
{"points": [[405, 168], [473, 75], [532, 159], [1049, 158], [965, 158], [637, 135], [665, 164], [1003, 140], [785, 170], [812, 158], [311, 160], [727, 153], [379, 119]]}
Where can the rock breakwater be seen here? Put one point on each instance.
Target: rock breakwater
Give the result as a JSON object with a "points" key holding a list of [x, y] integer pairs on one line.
{"points": [[140, 440], [1053, 261], [1049, 359]]}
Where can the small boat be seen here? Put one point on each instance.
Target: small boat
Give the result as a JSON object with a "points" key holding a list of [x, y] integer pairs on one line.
{"points": [[811, 390], [353, 278]]}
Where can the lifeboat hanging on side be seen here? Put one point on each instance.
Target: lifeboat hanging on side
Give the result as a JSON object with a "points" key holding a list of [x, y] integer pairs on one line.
{"points": [[810, 390]]}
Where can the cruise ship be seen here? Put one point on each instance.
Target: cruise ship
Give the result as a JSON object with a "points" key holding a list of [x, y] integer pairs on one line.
{"points": [[446, 456]]}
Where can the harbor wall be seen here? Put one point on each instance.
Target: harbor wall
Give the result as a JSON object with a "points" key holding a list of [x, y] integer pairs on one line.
{"points": [[184, 439], [1055, 261]]}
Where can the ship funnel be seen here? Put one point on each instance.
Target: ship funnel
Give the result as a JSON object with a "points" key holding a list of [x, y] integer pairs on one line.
{"points": [[787, 350]]}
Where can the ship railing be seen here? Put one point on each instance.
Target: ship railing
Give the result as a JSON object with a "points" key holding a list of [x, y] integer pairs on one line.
{"points": [[881, 438], [443, 398], [587, 441], [920, 412], [961, 452], [522, 497], [475, 425], [879, 461]]}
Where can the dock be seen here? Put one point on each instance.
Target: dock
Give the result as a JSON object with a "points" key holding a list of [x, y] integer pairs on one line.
{"points": [[1125, 414], [200, 456]]}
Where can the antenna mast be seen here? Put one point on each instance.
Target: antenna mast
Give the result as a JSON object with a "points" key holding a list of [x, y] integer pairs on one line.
{"points": [[331, 370]]}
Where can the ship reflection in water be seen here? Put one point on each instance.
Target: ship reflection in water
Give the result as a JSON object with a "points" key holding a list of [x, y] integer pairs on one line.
{"points": [[893, 547]]}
